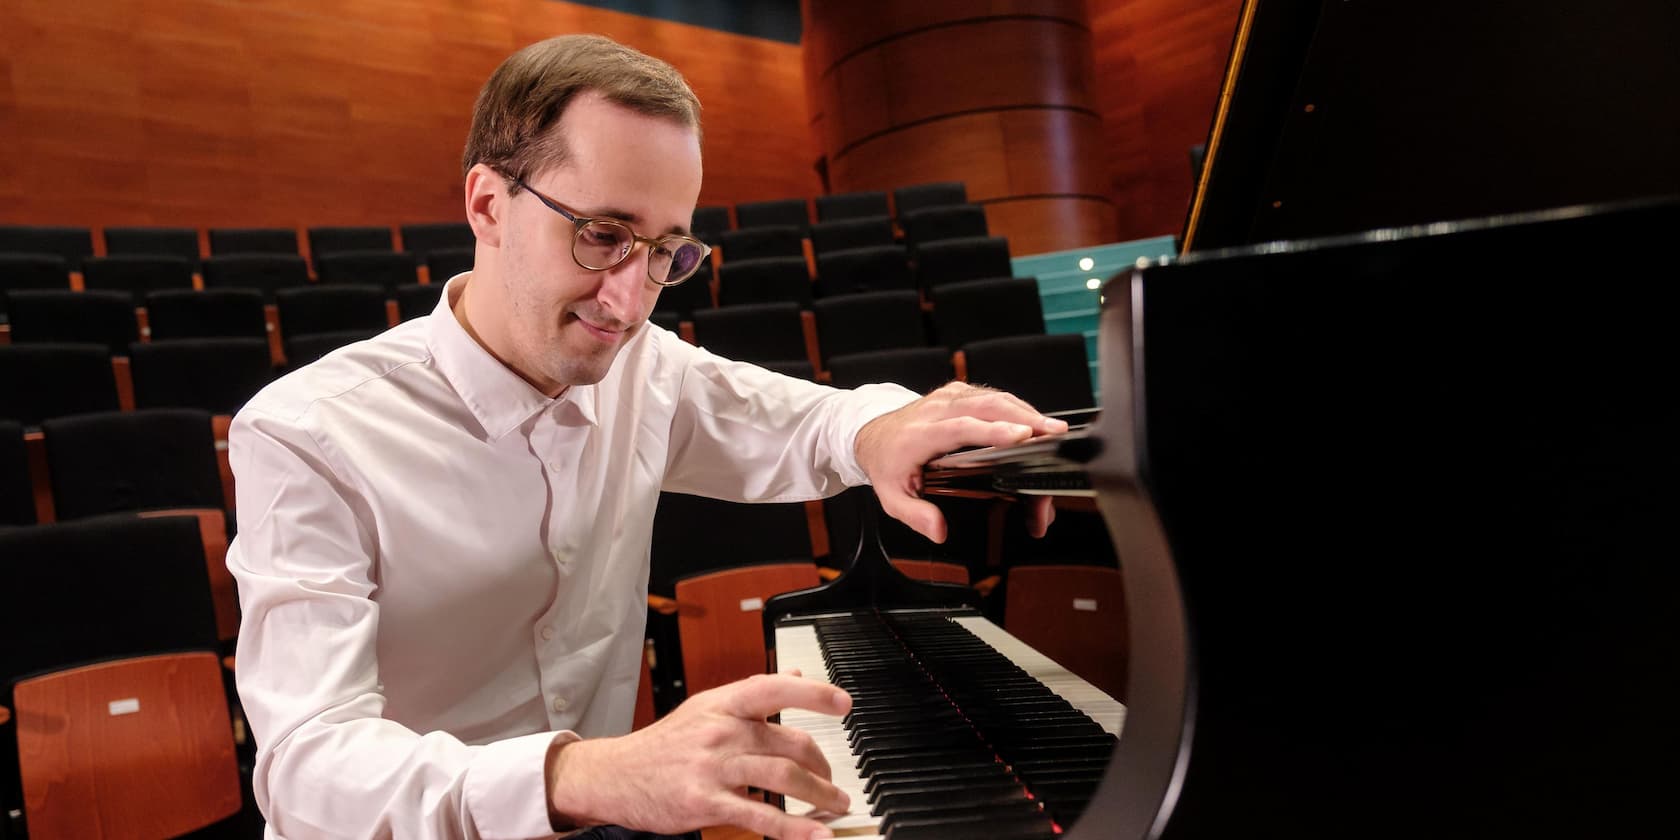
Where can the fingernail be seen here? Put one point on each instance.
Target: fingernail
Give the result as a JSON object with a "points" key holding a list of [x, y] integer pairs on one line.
{"points": [[1059, 425], [822, 834], [1022, 430]]}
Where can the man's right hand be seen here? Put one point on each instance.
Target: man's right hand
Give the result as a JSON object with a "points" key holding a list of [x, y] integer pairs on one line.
{"points": [[691, 768]]}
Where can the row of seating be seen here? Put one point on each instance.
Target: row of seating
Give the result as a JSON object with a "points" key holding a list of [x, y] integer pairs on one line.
{"points": [[136, 276], [76, 244], [919, 229], [711, 221]]}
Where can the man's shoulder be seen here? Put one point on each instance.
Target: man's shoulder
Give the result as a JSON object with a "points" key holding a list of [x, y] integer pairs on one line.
{"points": [[355, 373]]}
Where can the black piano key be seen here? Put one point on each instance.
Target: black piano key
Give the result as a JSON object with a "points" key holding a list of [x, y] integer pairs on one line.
{"points": [[990, 793], [976, 827], [890, 778], [1012, 809]]}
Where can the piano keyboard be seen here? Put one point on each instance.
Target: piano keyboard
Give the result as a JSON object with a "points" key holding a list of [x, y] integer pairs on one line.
{"points": [[958, 729]]}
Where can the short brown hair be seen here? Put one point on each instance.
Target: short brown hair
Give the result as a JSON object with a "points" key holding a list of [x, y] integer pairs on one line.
{"points": [[527, 94]]}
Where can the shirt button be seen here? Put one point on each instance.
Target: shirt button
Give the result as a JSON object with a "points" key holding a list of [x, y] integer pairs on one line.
{"points": [[560, 704], [559, 556], [548, 634], [554, 465]]}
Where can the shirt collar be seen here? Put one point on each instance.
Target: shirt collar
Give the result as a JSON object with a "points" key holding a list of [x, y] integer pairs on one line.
{"points": [[498, 398]]}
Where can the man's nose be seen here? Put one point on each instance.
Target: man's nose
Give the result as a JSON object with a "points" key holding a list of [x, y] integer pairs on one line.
{"points": [[623, 287]]}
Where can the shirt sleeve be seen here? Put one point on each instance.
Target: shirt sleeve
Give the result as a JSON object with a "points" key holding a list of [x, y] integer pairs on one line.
{"points": [[328, 764], [746, 434]]}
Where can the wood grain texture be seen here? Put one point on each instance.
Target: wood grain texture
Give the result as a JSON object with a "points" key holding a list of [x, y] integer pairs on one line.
{"points": [[998, 95], [1090, 639], [721, 642], [1159, 67], [160, 771], [207, 113]]}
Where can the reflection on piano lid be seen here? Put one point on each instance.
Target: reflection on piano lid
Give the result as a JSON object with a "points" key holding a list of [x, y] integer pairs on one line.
{"points": [[1045, 465]]}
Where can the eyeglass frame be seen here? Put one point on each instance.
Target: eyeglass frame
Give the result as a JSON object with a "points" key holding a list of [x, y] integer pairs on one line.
{"points": [[580, 222]]}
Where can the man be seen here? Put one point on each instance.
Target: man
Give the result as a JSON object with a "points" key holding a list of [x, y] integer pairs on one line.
{"points": [[443, 532]]}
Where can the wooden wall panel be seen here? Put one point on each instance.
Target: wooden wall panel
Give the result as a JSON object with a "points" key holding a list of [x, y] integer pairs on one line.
{"points": [[1159, 67], [998, 95], [302, 112]]}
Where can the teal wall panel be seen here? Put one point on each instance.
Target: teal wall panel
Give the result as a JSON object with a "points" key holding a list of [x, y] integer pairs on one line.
{"points": [[1069, 284]]}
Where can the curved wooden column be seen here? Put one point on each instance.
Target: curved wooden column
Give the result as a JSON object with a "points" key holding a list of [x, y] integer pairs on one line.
{"points": [[998, 95]]}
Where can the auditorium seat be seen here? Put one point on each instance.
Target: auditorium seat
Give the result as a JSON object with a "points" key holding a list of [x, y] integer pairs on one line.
{"points": [[39, 381], [874, 269], [709, 224], [689, 295], [828, 237], [22, 272], [212, 313], [303, 349], [445, 263], [62, 316], [156, 241], [267, 273], [147, 461], [796, 368], [327, 309], [332, 240], [787, 212], [1050, 372], [975, 310], [1074, 614], [852, 205], [667, 319], [217, 375], [756, 243], [696, 543], [415, 300], [956, 260], [753, 332], [764, 281], [916, 196], [421, 240], [952, 221], [871, 321], [921, 369], [17, 490], [225, 241], [72, 244], [122, 659], [384, 269], [138, 274]]}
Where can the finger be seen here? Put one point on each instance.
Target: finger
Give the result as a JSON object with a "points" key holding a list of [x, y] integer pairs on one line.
{"points": [[947, 435], [793, 744], [922, 516], [756, 698], [758, 817], [1040, 513], [780, 775], [991, 404]]}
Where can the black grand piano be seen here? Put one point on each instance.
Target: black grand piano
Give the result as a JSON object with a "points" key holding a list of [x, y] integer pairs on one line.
{"points": [[1396, 500]]}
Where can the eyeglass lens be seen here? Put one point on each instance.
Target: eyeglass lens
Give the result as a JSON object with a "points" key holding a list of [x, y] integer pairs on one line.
{"points": [[603, 244]]}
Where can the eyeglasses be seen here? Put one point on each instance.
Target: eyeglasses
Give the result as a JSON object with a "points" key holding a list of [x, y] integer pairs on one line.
{"points": [[600, 244]]}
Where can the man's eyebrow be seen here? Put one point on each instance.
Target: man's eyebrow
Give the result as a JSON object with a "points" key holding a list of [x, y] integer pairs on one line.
{"points": [[631, 218]]}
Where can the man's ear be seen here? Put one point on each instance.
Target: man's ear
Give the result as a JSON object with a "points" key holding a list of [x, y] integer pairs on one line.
{"points": [[486, 203]]}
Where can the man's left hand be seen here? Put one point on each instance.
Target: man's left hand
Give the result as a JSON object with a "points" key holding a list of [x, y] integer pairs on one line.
{"points": [[893, 448]]}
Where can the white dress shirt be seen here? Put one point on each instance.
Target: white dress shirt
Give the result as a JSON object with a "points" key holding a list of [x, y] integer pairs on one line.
{"points": [[442, 571]]}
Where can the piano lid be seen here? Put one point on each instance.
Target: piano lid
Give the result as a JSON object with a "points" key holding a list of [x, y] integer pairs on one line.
{"points": [[1337, 117], [1395, 518]]}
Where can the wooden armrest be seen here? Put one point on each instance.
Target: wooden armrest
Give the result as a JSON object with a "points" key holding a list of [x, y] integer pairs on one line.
{"points": [[661, 604], [5, 714], [827, 574], [227, 662], [984, 586]]}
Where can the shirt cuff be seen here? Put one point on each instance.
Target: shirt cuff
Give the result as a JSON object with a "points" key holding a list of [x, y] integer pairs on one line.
{"points": [[867, 403], [506, 791]]}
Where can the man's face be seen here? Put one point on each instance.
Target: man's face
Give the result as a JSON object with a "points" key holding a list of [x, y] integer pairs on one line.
{"points": [[564, 323]]}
